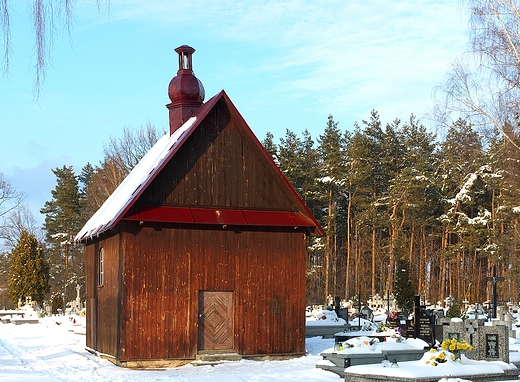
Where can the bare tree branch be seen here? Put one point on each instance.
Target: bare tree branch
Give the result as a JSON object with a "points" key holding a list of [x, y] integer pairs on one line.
{"points": [[41, 17], [5, 22], [483, 86], [15, 223], [9, 197], [45, 16], [121, 156], [126, 152], [10, 201]]}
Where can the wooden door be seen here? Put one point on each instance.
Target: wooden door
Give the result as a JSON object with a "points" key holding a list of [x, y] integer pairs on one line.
{"points": [[216, 321]]}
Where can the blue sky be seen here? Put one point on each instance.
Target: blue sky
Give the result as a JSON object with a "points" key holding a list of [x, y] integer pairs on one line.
{"points": [[284, 64]]}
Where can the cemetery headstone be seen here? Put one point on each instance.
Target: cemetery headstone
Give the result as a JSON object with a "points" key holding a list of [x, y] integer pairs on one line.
{"points": [[493, 343], [506, 319], [367, 313], [337, 304], [410, 329], [425, 327], [462, 331], [490, 343], [392, 323]]}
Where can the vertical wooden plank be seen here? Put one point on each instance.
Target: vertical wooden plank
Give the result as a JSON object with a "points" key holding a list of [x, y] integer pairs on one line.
{"points": [[107, 320], [260, 267], [165, 266], [219, 166]]}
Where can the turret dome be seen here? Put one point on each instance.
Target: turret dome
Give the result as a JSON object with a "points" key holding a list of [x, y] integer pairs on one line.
{"points": [[185, 91]]}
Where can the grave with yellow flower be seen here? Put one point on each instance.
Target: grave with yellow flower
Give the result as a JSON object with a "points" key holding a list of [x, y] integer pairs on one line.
{"points": [[449, 359], [449, 351], [489, 342]]}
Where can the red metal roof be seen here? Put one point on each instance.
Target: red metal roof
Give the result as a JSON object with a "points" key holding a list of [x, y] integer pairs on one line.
{"points": [[120, 203], [231, 217]]}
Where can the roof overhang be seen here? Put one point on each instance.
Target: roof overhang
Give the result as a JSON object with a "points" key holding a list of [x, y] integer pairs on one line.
{"points": [[122, 200], [232, 217]]}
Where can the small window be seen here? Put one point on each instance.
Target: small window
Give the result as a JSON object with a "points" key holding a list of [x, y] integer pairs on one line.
{"points": [[101, 280]]}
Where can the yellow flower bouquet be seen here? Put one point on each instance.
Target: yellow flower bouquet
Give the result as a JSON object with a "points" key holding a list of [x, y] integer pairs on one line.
{"points": [[448, 352], [436, 357], [455, 346]]}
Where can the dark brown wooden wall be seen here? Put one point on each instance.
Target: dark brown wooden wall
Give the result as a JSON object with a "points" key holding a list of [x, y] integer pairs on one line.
{"points": [[164, 266], [164, 270], [103, 301], [219, 166], [90, 251]]}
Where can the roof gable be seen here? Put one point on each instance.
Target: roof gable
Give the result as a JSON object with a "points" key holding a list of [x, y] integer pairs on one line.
{"points": [[123, 200]]}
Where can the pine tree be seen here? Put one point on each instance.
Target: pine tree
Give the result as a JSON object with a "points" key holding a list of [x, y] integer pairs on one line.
{"points": [[271, 147], [64, 213], [86, 179], [28, 271], [358, 190], [298, 160], [64, 217], [505, 183], [465, 193], [368, 188], [404, 290], [414, 200], [290, 159], [332, 178]]}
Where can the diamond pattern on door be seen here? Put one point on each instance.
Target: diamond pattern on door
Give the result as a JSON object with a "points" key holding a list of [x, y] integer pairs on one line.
{"points": [[215, 320]]}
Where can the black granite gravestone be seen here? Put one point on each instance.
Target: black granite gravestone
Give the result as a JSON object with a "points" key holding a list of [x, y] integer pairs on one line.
{"points": [[425, 326]]}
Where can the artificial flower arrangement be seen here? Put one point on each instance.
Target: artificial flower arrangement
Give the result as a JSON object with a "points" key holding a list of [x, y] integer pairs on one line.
{"points": [[381, 327], [359, 342], [367, 327], [398, 335], [450, 350], [455, 346], [438, 356]]}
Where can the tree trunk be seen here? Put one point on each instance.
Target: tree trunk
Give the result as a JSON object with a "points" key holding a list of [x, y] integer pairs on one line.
{"points": [[443, 266], [393, 241], [373, 262], [357, 260], [413, 264], [347, 265], [422, 262], [328, 252]]}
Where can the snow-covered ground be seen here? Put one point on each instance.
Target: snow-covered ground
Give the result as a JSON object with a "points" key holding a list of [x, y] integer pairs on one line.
{"points": [[54, 350]]}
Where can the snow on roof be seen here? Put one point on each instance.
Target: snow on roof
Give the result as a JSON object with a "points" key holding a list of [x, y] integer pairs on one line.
{"points": [[106, 217]]}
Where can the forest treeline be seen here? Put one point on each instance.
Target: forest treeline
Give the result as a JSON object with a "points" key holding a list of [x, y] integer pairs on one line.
{"points": [[392, 194], [390, 197]]}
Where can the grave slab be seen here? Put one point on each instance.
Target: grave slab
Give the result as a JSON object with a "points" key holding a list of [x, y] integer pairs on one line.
{"points": [[413, 371]]}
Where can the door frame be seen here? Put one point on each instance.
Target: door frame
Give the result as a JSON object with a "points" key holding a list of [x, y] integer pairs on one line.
{"points": [[207, 296]]}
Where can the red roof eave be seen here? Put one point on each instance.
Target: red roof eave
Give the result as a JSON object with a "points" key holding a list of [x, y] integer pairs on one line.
{"points": [[303, 218], [310, 216], [232, 217]]}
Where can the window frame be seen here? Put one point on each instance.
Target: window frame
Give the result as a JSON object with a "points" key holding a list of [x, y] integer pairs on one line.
{"points": [[101, 267]]}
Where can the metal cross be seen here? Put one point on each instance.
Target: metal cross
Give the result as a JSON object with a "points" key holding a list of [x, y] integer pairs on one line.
{"points": [[494, 279]]}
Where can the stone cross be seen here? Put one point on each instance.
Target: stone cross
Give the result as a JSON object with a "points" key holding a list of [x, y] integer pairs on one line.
{"points": [[78, 299]]}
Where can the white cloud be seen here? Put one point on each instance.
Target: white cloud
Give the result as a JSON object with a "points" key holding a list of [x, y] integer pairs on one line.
{"points": [[345, 55]]}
